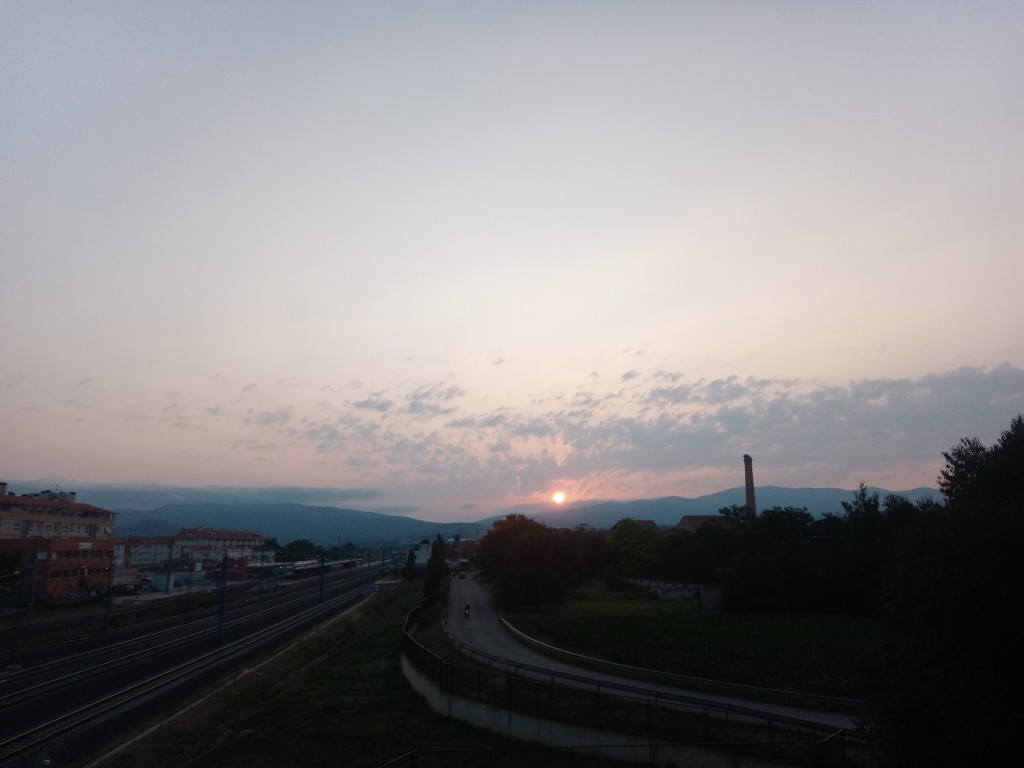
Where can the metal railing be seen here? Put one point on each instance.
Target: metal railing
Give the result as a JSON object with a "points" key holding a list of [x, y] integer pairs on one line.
{"points": [[657, 717], [794, 697]]}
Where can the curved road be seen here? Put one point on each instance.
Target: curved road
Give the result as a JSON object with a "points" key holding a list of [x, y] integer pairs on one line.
{"points": [[484, 632]]}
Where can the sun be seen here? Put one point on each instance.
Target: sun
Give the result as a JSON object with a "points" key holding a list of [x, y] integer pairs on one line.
{"points": [[558, 497]]}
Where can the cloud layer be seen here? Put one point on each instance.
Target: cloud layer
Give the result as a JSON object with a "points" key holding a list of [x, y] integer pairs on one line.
{"points": [[431, 449]]}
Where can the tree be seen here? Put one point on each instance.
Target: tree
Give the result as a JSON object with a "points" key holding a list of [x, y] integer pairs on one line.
{"points": [[588, 555], [527, 563], [410, 564], [974, 472], [738, 515], [768, 568], [300, 549], [634, 546], [436, 567], [864, 504], [681, 557], [963, 467], [946, 691], [866, 550]]}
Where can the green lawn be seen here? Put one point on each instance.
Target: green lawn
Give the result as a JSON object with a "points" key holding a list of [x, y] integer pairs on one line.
{"points": [[820, 654]]}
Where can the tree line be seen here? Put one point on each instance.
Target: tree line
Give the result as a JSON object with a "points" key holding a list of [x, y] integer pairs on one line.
{"points": [[780, 559]]}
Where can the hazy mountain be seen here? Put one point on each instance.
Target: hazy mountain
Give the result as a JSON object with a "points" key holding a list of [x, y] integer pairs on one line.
{"points": [[332, 525], [289, 522]]}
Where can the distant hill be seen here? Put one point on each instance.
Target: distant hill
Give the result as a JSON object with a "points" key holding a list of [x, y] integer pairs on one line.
{"points": [[289, 522], [331, 525]]}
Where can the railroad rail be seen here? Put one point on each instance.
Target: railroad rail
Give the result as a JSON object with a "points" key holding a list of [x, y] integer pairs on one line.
{"points": [[51, 724]]}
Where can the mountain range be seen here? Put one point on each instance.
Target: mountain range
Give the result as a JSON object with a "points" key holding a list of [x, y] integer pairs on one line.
{"points": [[328, 525]]}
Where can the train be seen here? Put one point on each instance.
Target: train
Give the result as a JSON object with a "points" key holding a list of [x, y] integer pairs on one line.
{"points": [[302, 568]]}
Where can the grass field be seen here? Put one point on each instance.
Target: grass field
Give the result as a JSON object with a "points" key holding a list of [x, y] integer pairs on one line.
{"points": [[807, 653]]}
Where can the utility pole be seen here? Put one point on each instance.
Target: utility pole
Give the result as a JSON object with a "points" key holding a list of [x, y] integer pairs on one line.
{"points": [[259, 572], [223, 597], [323, 569]]}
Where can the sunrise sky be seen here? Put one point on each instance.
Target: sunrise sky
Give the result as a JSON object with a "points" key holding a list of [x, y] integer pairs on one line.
{"points": [[448, 257]]}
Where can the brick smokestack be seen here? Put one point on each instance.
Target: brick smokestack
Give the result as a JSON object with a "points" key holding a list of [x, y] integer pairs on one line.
{"points": [[748, 473]]}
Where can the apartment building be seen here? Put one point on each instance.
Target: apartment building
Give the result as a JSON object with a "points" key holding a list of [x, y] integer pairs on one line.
{"points": [[148, 551], [214, 543], [53, 547]]}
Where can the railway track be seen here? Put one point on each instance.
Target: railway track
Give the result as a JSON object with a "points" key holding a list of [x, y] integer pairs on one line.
{"points": [[46, 710], [54, 639]]}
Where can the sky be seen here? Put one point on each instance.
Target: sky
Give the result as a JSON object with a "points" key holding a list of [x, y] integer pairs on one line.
{"points": [[449, 257]]}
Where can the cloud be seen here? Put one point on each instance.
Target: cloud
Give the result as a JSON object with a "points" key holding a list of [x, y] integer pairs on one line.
{"points": [[432, 400], [790, 425], [659, 433], [272, 418], [254, 445], [374, 404]]}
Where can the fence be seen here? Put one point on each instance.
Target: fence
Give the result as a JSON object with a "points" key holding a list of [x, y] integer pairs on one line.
{"points": [[668, 724]]}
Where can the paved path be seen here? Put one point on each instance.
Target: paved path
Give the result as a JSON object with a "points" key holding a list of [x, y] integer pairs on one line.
{"points": [[484, 632]]}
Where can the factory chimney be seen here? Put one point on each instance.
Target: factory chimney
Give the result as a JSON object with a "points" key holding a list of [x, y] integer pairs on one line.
{"points": [[748, 472]]}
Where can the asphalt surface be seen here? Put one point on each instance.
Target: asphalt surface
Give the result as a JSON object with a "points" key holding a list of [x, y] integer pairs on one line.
{"points": [[483, 632]]}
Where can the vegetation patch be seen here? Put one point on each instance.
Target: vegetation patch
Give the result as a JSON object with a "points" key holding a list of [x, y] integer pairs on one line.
{"points": [[807, 653]]}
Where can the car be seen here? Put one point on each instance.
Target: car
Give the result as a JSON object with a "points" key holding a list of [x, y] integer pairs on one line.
{"points": [[462, 574]]}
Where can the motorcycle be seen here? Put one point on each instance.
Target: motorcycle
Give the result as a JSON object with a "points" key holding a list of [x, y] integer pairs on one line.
{"points": [[465, 611]]}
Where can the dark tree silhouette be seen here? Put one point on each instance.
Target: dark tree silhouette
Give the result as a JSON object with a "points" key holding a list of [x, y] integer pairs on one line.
{"points": [[530, 564], [300, 549], [947, 691], [436, 567], [410, 564], [964, 463]]}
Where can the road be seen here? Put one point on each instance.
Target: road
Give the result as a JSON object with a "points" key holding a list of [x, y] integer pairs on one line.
{"points": [[484, 632]]}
